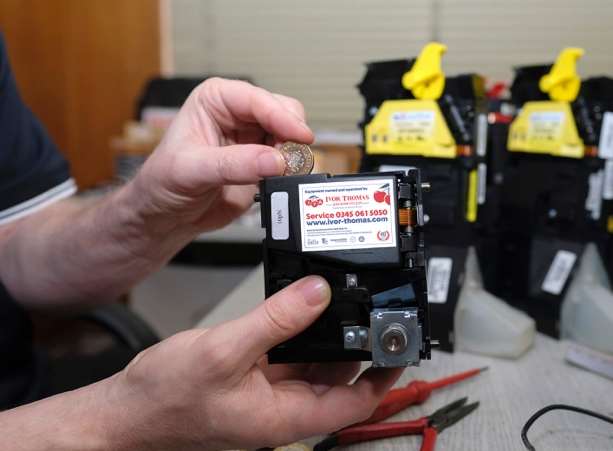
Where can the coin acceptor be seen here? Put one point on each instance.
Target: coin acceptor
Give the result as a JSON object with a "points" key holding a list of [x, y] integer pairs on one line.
{"points": [[363, 234]]}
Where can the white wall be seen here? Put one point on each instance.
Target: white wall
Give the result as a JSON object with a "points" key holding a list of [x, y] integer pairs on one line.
{"points": [[492, 36], [315, 50]]}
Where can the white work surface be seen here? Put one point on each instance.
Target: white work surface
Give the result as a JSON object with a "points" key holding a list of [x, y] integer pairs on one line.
{"points": [[510, 392]]}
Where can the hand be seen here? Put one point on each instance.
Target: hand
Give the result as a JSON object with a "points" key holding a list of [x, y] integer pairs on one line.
{"points": [[222, 139], [210, 389]]}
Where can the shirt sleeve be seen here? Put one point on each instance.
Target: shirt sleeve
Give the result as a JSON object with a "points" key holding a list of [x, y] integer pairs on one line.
{"points": [[33, 173]]}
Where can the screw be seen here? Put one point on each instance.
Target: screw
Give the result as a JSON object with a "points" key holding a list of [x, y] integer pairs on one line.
{"points": [[351, 280], [394, 339], [425, 186], [350, 336]]}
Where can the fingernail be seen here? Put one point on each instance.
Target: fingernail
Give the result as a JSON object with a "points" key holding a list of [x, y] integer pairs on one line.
{"points": [[315, 290], [270, 163]]}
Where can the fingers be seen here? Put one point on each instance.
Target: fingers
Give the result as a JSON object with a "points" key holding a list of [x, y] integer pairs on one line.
{"points": [[325, 375], [321, 376], [281, 372], [287, 313], [239, 198], [280, 116], [292, 105], [233, 348], [335, 409], [280, 317], [358, 401], [232, 203], [241, 164]]}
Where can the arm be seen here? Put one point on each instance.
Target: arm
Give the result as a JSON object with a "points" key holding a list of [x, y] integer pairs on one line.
{"points": [[209, 390], [81, 250], [199, 178]]}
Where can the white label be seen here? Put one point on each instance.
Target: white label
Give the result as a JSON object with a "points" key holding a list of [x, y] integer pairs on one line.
{"points": [[546, 125], [482, 185], [279, 215], [357, 214], [439, 275], [394, 167], [481, 135], [593, 202], [607, 189], [417, 124], [595, 361], [558, 272], [605, 144]]}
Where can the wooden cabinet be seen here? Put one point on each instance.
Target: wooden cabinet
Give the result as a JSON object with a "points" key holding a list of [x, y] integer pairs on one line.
{"points": [[80, 66]]}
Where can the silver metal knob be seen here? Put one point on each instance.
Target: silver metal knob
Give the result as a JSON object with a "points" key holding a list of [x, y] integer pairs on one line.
{"points": [[394, 339]]}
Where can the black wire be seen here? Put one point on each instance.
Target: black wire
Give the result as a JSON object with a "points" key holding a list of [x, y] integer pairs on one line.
{"points": [[539, 413]]}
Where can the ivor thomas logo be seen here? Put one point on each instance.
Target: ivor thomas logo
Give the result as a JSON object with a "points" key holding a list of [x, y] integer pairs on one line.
{"points": [[314, 201], [382, 194]]}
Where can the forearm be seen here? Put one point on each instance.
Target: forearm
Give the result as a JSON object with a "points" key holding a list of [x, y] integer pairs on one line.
{"points": [[85, 251], [70, 421], [98, 417]]}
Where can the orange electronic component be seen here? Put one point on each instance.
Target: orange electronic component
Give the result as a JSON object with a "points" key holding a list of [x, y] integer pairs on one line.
{"points": [[464, 151], [407, 216]]}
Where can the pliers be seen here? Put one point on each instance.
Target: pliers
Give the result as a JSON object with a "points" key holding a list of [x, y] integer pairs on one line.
{"points": [[429, 427]]}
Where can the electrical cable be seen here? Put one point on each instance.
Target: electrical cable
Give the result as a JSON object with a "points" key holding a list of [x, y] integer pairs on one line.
{"points": [[539, 413]]}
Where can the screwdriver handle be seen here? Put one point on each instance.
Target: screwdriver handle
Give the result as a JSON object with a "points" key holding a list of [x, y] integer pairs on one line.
{"points": [[398, 399], [439, 383], [365, 433], [416, 392]]}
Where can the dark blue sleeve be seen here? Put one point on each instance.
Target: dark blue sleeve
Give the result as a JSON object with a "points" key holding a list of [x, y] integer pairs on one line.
{"points": [[32, 171], [32, 174]]}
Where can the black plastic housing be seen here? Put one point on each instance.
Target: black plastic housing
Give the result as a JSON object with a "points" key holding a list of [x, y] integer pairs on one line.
{"points": [[377, 270]]}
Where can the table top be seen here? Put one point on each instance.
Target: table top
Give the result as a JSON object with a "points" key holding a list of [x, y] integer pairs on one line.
{"points": [[509, 392]]}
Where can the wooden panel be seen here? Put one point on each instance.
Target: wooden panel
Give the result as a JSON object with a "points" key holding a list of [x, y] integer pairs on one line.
{"points": [[80, 67]]}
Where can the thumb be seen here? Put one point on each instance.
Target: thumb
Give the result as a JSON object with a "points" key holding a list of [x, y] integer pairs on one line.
{"points": [[242, 164], [283, 315]]}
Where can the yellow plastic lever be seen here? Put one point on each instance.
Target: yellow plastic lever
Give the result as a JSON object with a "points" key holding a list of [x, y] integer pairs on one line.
{"points": [[426, 80], [562, 83]]}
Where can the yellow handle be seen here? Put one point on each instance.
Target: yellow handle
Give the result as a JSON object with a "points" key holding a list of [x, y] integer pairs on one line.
{"points": [[562, 83], [426, 80]]}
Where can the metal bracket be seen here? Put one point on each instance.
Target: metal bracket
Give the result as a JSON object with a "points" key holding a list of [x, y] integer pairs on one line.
{"points": [[356, 337], [395, 337]]}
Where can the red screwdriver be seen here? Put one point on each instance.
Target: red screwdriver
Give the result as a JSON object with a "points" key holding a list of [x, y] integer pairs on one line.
{"points": [[416, 392]]}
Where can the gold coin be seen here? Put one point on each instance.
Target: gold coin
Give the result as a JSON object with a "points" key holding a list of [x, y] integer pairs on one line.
{"points": [[298, 158]]}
